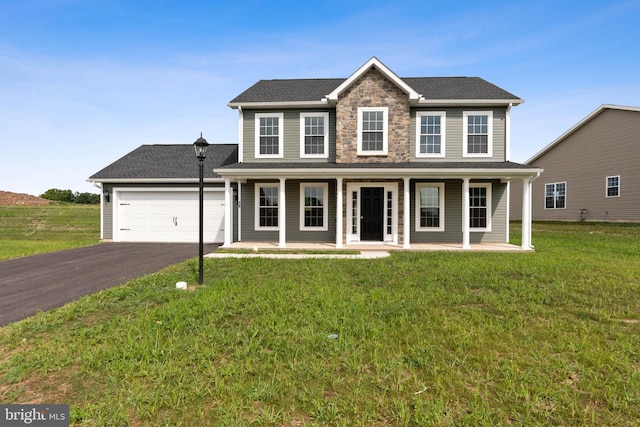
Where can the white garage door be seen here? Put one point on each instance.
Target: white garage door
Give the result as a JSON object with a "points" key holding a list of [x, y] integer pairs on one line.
{"points": [[167, 216]]}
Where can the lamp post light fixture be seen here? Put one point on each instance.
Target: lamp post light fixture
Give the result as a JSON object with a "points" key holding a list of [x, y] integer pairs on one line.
{"points": [[201, 146]]}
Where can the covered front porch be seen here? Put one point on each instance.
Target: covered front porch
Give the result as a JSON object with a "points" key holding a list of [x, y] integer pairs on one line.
{"points": [[329, 247]]}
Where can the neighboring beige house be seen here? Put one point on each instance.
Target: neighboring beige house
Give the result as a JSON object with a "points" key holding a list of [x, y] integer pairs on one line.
{"points": [[591, 172]]}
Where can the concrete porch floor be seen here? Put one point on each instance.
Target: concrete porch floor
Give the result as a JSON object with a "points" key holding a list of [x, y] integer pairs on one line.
{"points": [[365, 247]]}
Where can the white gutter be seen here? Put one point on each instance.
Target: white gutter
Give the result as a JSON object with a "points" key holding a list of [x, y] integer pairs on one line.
{"points": [[156, 180]]}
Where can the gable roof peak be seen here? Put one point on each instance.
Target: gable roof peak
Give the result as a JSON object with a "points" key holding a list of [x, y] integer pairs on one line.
{"points": [[374, 62]]}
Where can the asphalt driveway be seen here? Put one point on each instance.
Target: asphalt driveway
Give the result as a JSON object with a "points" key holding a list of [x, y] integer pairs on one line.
{"points": [[41, 282]]}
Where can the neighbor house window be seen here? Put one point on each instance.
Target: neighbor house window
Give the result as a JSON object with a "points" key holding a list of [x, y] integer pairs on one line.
{"points": [[613, 186], [430, 133], [555, 195], [269, 137], [313, 206], [372, 131], [479, 207], [314, 134], [267, 206], [430, 207], [477, 133]]}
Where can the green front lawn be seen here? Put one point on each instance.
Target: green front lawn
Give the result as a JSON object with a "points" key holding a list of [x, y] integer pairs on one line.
{"points": [[544, 338]]}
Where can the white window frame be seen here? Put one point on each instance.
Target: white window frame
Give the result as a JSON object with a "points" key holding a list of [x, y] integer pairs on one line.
{"points": [[325, 117], [440, 187], [555, 184], [489, 208], [443, 125], [465, 133], [325, 207], [606, 189], [258, 186], [280, 117], [385, 131]]}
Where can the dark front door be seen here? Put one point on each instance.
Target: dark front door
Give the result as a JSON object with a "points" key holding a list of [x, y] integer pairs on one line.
{"points": [[372, 213]]}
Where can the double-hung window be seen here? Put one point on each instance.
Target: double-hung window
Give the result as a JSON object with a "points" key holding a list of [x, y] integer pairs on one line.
{"points": [[313, 206], [613, 186], [430, 207], [269, 135], [480, 207], [477, 133], [266, 202], [372, 131], [430, 133], [555, 195], [314, 135]]}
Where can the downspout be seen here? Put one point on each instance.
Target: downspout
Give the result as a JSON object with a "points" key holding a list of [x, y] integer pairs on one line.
{"points": [[240, 134], [99, 186], [507, 132]]}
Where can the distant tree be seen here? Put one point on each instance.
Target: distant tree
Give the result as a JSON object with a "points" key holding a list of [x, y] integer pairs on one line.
{"points": [[87, 198], [70, 197], [58, 195]]}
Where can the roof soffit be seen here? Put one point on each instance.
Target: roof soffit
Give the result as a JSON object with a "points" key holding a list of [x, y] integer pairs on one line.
{"points": [[374, 62]]}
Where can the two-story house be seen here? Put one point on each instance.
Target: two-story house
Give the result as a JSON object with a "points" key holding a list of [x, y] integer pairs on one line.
{"points": [[374, 158]]}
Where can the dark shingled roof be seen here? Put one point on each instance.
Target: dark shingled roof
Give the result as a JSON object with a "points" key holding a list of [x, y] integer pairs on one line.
{"points": [[403, 165], [300, 90], [167, 162]]}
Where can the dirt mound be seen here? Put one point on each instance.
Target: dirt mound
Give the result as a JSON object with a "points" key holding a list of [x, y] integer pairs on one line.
{"points": [[18, 199]]}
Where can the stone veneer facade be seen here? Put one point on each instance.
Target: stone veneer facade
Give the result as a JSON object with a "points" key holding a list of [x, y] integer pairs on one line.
{"points": [[373, 90]]}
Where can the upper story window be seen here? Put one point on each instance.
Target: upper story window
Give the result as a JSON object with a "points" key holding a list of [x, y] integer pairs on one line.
{"points": [[430, 207], [555, 195], [613, 186], [430, 133], [479, 207], [373, 131], [478, 133], [269, 135], [314, 135]]}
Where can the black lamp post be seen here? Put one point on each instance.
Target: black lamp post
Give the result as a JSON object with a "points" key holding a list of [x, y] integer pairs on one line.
{"points": [[201, 146]]}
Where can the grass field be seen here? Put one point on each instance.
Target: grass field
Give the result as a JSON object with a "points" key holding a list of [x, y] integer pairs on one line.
{"points": [[27, 230], [477, 339]]}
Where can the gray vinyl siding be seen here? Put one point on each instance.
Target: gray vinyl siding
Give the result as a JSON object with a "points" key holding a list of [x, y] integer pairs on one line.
{"points": [[453, 215], [107, 214], [292, 202], [607, 145], [291, 136], [454, 135]]}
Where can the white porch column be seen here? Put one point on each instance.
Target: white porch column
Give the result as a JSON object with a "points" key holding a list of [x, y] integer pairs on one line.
{"points": [[406, 228], [465, 214], [339, 208], [239, 211], [282, 217], [526, 214], [228, 204]]}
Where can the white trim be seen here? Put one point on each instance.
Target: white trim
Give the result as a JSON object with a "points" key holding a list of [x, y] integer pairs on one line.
{"points": [[339, 204], [228, 223], [325, 205], [280, 117], [440, 187], [385, 131], [443, 132], [256, 215], [384, 70], [240, 134], [465, 133], [406, 230], [544, 200], [388, 186], [325, 117], [487, 186], [282, 214], [606, 187]]}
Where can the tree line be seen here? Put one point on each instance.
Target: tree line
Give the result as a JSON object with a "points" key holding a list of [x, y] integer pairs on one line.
{"points": [[69, 196]]}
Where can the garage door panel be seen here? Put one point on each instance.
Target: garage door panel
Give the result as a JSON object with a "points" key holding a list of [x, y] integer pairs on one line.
{"points": [[168, 216]]}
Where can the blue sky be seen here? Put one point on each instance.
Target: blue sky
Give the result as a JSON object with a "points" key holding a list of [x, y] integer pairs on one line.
{"points": [[83, 82]]}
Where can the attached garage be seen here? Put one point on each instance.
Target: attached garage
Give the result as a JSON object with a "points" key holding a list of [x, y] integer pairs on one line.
{"points": [[152, 195], [165, 215]]}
